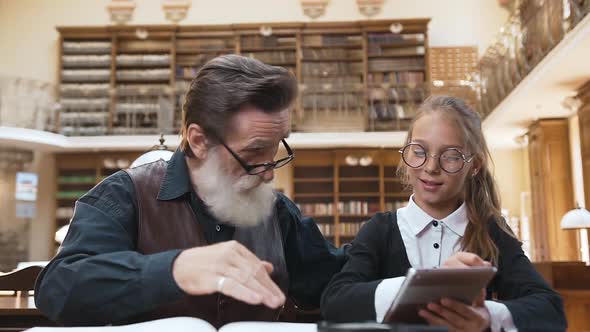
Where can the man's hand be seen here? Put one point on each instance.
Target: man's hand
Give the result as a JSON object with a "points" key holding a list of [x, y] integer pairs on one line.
{"points": [[198, 271]]}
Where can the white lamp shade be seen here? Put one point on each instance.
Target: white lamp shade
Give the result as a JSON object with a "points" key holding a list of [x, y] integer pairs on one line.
{"points": [[576, 218], [152, 156]]}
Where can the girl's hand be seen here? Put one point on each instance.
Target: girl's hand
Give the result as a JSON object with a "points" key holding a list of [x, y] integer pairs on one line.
{"points": [[464, 259], [457, 316]]}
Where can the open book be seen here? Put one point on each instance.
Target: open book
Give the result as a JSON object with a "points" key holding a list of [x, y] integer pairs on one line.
{"points": [[188, 324]]}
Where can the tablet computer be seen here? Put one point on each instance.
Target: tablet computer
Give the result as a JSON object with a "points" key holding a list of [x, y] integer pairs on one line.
{"points": [[423, 286]]}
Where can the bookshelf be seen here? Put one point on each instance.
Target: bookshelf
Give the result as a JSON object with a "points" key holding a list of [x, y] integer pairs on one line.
{"points": [[341, 189], [77, 173], [354, 76], [85, 81], [143, 102]]}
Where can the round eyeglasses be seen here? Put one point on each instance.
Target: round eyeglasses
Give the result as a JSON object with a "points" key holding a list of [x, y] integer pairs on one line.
{"points": [[451, 160]]}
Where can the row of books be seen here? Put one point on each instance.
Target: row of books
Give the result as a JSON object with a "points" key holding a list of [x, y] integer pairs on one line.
{"points": [[68, 179], [332, 40], [316, 209], [83, 131], [84, 104], [86, 75], [348, 229], [398, 94], [344, 208], [334, 83], [86, 47], [398, 64], [195, 44], [271, 41], [70, 194], [394, 206], [64, 212], [103, 60], [377, 50], [143, 60], [341, 101], [84, 90], [331, 54], [136, 130], [392, 38], [275, 57], [124, 90], [404, 77], [84, 118], [162, 74], [137, 107], [358, 207], [388, 112], [331, 68]]}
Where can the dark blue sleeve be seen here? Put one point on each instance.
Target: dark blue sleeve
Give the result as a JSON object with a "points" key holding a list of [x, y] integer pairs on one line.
{"points": [[97, 277], [311, 259]]}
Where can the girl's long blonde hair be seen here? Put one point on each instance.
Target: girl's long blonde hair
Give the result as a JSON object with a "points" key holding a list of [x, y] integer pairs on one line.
{"points": [[480, 192]]}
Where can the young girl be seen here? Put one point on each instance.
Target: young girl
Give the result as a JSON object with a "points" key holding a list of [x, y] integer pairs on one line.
{"points": [[452, 220]]}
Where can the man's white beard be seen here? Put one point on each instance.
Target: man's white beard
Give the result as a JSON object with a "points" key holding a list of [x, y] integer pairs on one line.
{"points": [[245, 201]]}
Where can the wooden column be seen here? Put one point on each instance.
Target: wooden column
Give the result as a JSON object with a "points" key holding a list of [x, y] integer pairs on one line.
{"points": [[552, 191], [584, 120]]}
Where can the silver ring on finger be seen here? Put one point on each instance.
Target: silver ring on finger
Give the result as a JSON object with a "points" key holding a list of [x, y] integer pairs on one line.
{"points": [[220, 283]]}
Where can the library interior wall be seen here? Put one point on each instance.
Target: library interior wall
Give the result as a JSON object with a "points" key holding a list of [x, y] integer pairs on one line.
{"points": [[29, 40]]}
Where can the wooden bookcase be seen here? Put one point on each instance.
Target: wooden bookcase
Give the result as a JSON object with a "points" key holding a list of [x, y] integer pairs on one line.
{"points": [[584, 120], [341, 189], [79, 172], [353, 76], [551, 190]]}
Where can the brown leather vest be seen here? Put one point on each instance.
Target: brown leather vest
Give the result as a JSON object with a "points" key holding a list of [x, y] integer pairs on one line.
{"points": [[172, 224]]}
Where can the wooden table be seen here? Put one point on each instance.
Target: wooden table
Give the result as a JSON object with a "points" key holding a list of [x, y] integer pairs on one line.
{"points": [[18, 313]]}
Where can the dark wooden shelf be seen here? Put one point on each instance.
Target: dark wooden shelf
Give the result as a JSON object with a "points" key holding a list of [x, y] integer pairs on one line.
{"points": [[309, 195], [331, 92], [333, 60], [359, 194], [386, 179], [79, 67], [267, 49], [398, 195], [423, 69], [313, 180], [359, 179], [78, 183], [118, 67], [355, 216], [388, 56], [320, 216], [398, 44], [127, 81], [205, 51], [334, 46]]}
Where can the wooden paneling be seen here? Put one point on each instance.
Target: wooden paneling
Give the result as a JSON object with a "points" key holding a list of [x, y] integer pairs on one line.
{"points": [[552, 192]]}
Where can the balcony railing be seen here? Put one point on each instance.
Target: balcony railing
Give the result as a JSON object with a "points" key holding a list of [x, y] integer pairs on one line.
{"points": [[27, 103], [531, 32]]}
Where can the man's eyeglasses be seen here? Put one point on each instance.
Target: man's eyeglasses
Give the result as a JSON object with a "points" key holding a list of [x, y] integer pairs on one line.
{"points": [[451, 160], [261, 168]]}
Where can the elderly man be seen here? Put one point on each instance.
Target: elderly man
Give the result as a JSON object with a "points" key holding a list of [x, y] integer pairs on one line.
{"points": [[204, 234]]}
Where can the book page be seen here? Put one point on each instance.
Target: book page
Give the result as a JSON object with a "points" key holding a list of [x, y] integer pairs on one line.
{"points": [[176, 324], [268, 327]]}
